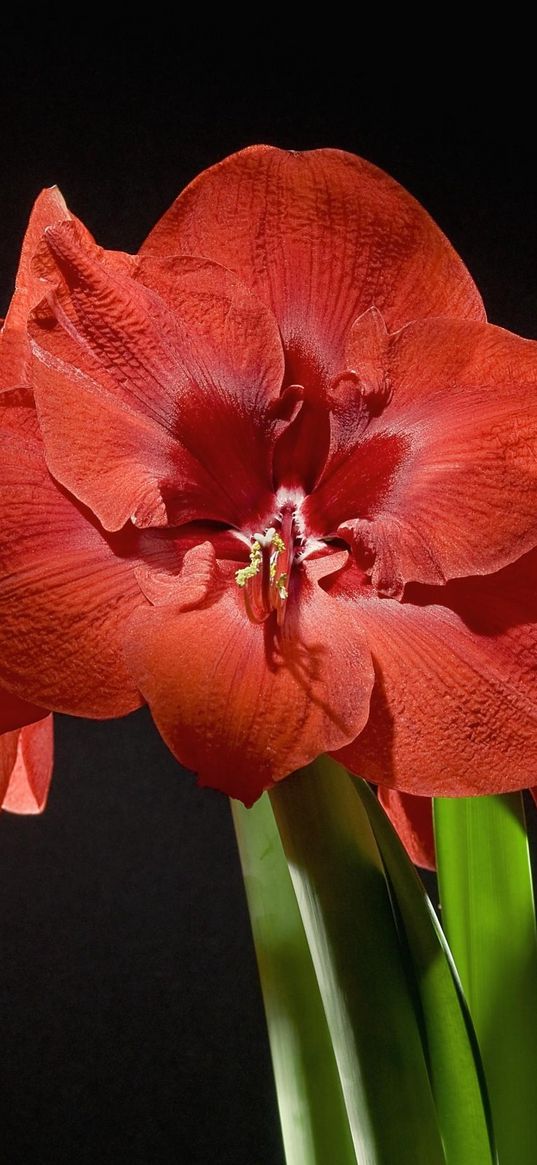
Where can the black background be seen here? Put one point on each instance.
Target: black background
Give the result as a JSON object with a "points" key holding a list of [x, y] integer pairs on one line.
{"points": [[131, 1022]]}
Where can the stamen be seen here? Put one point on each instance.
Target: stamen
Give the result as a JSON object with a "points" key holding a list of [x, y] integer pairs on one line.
{"points": [[256, 562], [263, 582]]}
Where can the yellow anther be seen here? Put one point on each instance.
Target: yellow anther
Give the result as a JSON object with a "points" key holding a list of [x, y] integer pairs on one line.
{"points": [[281, 586], [278, 580], [247, 572], [277, 545]]}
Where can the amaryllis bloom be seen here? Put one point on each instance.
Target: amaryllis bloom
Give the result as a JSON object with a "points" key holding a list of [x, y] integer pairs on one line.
{"points": [[274, 475], [25, 755]]}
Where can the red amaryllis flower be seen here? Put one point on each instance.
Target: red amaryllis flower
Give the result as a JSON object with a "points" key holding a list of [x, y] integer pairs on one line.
{"points": [[25, 755], [279, 482]]}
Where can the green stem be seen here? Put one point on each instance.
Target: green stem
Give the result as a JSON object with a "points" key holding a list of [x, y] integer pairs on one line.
{"points": [[489, 918], [314, 1123], [344, 900]]}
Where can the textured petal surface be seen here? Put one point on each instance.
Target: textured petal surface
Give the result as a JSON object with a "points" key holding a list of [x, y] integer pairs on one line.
{"points": [[30, 777], [237, 703], [443, 483], [412, 817], [454, 707], [156, 406], [65, 590], [29, 288], [321, 236]]}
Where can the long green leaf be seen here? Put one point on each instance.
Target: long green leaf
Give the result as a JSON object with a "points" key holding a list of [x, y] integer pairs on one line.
{"points": [[489, 917], [312, 1111], [346, 909], [452, 1054]]}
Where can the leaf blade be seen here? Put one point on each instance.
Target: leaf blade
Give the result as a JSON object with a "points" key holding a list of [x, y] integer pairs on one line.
{"points": [[313, 1118], [453, 1056], [489, 916], [343, 897]]}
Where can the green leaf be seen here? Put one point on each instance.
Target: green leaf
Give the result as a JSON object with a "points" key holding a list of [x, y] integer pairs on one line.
{"points": [[451, 1048], [346, 908], [312, 1110], [489, 918]]}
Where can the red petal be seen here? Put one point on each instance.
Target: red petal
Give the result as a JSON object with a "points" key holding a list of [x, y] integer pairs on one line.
{"points": [[301, 449], [412, 817], [65, 591], [444, 482], [8, 756], [30, 777], [454, 707], [240, 705], [320, 236], [156, 405], [14, 712], [14, 347]]}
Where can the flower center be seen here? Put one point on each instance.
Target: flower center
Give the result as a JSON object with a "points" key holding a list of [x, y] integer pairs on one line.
{"points": [[266, 581], [266, 578]]}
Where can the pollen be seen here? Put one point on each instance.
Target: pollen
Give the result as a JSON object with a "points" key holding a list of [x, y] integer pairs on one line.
{"points": [[281, 586], [255, 564], [278, 580]]}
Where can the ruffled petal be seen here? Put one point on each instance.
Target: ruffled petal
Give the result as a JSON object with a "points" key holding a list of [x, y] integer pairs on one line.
{"points": [[65, 589], [154, 384], [320, 236], [240, 704], [29, 782], [412, 817], [14, 345], [454, 707], [443, 482]]}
